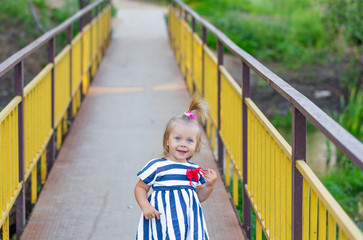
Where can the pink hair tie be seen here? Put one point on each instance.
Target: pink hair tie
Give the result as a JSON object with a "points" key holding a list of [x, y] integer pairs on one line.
{"points": [[189, 114]]}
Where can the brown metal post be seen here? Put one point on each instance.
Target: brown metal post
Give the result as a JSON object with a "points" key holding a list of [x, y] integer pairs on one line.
{"points": [[69, 41], [192, 55], [185, 56], [81, 25], [169, 26], [246, 209], [51, 144], [298, 153], [20, 201], [98, 11], [193, 24], [90, 44], [220, 50], [204, 39]]}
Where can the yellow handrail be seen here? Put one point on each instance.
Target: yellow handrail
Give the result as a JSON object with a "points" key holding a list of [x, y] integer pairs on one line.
{"points": [[269, 158], [37, 100]]}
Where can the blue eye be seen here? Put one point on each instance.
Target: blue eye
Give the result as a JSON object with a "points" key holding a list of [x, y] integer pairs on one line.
{"points": [[177, 138], [190, 140]]}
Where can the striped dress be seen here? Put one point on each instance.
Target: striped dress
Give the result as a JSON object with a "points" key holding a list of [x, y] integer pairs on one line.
{"points": [[176, 199]]}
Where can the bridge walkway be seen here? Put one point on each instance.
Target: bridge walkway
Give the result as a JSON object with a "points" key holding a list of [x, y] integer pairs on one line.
{"points": [[138, 87]]}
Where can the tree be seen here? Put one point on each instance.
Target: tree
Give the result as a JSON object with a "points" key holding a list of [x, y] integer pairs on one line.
{"points": [[35, 16], [83, 3], [346, 16]]}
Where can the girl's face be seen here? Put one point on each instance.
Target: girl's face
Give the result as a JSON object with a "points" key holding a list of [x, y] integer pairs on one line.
{"points": [[182, 141]]}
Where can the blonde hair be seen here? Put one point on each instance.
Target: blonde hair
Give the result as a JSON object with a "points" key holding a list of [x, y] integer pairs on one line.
{"points": [[198, 105]]}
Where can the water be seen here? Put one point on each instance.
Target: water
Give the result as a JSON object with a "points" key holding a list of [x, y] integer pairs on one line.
{"points": [[320, 152]]}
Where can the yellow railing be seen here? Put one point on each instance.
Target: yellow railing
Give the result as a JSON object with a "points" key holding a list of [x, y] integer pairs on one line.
{"points": [[187, 57], [210, 92], [197, 63], [72, 68], [9, 164], [76, 46], [269, 175], [269, 159], [319, 207], [61, 83], [231, 128], [86, 63], [37, 121], [76, 62]]}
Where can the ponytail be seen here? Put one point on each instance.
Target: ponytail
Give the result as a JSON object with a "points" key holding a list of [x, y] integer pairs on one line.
{"points": [[199, 105]]}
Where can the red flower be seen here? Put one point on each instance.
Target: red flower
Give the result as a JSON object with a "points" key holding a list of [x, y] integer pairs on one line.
{"points": [[193, 174]]}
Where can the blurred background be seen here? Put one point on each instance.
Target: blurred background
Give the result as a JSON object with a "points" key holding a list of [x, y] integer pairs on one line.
{"points": [[314, 45]]}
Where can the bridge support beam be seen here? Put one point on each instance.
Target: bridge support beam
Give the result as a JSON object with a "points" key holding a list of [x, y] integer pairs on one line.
{"points": [[298, 153], [220, 50], [69, 42], [246, 208], [51, 144], [20, 201]]}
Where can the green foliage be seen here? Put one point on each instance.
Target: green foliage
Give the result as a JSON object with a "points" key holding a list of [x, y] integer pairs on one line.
{"points": [[240, 211], [113, 11], [351, 76], [14, 10], [351, 119], [284, 122], [352, 116], [345, 16], [286, 31], [346, 184]]}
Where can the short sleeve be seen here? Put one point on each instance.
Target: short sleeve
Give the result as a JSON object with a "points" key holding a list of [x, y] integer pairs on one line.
{"points": [[148, 173], [201, 180]]}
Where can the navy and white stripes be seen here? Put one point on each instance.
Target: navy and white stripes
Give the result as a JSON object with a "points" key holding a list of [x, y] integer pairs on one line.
{"points": [[182, 217], [163, 172]]}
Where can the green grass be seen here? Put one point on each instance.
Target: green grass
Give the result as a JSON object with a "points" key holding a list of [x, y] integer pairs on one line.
{"points": [[348, 191], [291, 32], [239, 209]]}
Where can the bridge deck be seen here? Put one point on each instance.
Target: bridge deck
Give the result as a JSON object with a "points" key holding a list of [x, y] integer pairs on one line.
{"points": [[138, 87]]}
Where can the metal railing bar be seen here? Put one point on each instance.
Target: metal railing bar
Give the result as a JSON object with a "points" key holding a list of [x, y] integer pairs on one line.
{"points": [[345, 141]]}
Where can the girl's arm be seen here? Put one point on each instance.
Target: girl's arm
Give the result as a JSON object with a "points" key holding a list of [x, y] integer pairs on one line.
{"points": [[141, 190], [206, 190]]}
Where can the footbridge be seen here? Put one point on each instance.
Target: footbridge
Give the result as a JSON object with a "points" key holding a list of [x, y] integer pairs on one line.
{"points": [[74, 137]]}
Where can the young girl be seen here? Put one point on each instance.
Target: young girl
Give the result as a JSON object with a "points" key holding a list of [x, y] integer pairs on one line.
{"points": [[173, 210]]}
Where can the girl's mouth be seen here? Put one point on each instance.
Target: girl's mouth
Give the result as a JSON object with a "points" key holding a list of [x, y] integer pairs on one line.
{"points": [[182, 152]]}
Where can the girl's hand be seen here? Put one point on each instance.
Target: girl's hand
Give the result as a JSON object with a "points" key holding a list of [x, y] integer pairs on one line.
{"points": [[205, 190], [150, 212], [211, 177]]}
